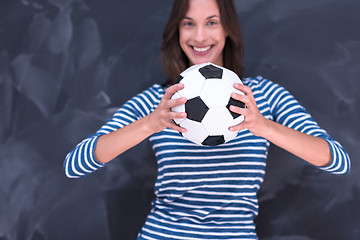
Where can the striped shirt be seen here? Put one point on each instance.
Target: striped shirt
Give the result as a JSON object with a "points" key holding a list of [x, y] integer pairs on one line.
{"points": [[207, 192]]}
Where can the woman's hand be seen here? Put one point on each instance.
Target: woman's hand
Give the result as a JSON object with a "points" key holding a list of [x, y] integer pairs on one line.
{"points": [[162, 117], [315, 150], [254, 121]]}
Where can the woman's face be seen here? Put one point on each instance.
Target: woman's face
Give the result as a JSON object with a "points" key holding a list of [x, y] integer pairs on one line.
{"points": [[201, 35]]}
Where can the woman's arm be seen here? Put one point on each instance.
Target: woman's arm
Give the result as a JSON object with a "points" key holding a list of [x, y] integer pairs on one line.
{"points": [[312, 149], [125, 130], [113, 144]]}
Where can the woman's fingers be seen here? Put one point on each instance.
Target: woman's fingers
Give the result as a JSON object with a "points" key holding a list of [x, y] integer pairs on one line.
{"points": [[173, 89], [176, 127], [176, 102], [243, 88], [170, 103], [239, 110], [163, 116], [242, 98], [176, 115], [254, 120]]}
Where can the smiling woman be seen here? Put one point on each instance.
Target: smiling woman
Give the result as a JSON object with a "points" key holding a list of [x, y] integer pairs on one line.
{"points": [[207, 192], [220, 23]]}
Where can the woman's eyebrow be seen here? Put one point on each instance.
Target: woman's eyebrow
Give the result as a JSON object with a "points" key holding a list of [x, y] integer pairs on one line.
{"points": [[189, 18], [212, 16]]}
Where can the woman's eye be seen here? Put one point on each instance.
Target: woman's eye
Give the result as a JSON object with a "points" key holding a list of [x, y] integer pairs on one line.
{"points": [[188, 24], [212, 23]]}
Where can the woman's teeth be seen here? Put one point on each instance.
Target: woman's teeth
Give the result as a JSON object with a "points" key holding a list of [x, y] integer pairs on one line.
{"points": [[203, 49]]}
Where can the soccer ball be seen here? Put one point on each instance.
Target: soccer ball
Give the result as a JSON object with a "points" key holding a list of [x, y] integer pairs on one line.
{"points": [[207, 88]]}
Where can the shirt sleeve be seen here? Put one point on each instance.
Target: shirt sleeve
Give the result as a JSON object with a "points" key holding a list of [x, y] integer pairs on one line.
{"points": [[287, 111], [81, 160]]}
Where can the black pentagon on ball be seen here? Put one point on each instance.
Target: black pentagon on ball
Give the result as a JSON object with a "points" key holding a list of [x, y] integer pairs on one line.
{"points": [[237, 104], [214, 140], [178, 126], [195, 109], [180, 78], [210, 71]]}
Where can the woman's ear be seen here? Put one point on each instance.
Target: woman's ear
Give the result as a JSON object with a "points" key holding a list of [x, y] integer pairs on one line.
{"points": [[226, 34]]}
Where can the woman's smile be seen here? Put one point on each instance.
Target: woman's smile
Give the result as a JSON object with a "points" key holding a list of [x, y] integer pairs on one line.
{"points": [[202, 50]]}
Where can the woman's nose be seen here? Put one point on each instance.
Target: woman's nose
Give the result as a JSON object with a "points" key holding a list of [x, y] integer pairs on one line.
{"points": [[200, 34]]}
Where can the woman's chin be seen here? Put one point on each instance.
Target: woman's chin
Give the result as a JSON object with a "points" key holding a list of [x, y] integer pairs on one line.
{"points": [[202, 61]]}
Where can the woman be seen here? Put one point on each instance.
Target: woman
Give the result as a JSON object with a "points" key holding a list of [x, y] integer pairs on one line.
{"points": [[207, 192]]}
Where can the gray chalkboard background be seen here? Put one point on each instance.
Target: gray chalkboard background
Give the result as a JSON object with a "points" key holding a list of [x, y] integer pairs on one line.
{"points": [[66, 65]]}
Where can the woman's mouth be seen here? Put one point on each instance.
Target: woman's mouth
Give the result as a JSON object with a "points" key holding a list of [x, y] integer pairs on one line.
{"points": [[201, 50]]}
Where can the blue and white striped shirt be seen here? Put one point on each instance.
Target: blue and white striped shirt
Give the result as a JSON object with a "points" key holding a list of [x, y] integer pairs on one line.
{"points": [[207, 192]]}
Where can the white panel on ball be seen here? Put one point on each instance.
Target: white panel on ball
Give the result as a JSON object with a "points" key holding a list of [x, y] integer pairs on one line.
{"points": [[197, 136], [230, 78], [228, 135], [217, 121], [193, 84], [212, 100]]}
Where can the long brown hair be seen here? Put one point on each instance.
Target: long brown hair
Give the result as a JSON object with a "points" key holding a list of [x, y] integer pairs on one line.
{"points": [[174, 60]]}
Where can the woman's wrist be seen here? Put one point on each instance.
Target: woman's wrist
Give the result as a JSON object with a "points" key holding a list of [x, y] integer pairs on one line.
{"points": [[147, 126], [268, 129]]}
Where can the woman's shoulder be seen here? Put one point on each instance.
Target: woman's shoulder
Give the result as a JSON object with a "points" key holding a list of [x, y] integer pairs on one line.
{"points": [[156, 88], [256, 81], [261, 83], [155, 91]]}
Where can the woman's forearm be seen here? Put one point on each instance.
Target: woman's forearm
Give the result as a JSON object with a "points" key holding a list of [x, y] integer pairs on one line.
{"points": [[314, 150], [113, 144]]}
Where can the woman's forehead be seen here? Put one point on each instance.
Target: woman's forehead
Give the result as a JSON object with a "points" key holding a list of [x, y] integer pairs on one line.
{"points": [[202, 9]]}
